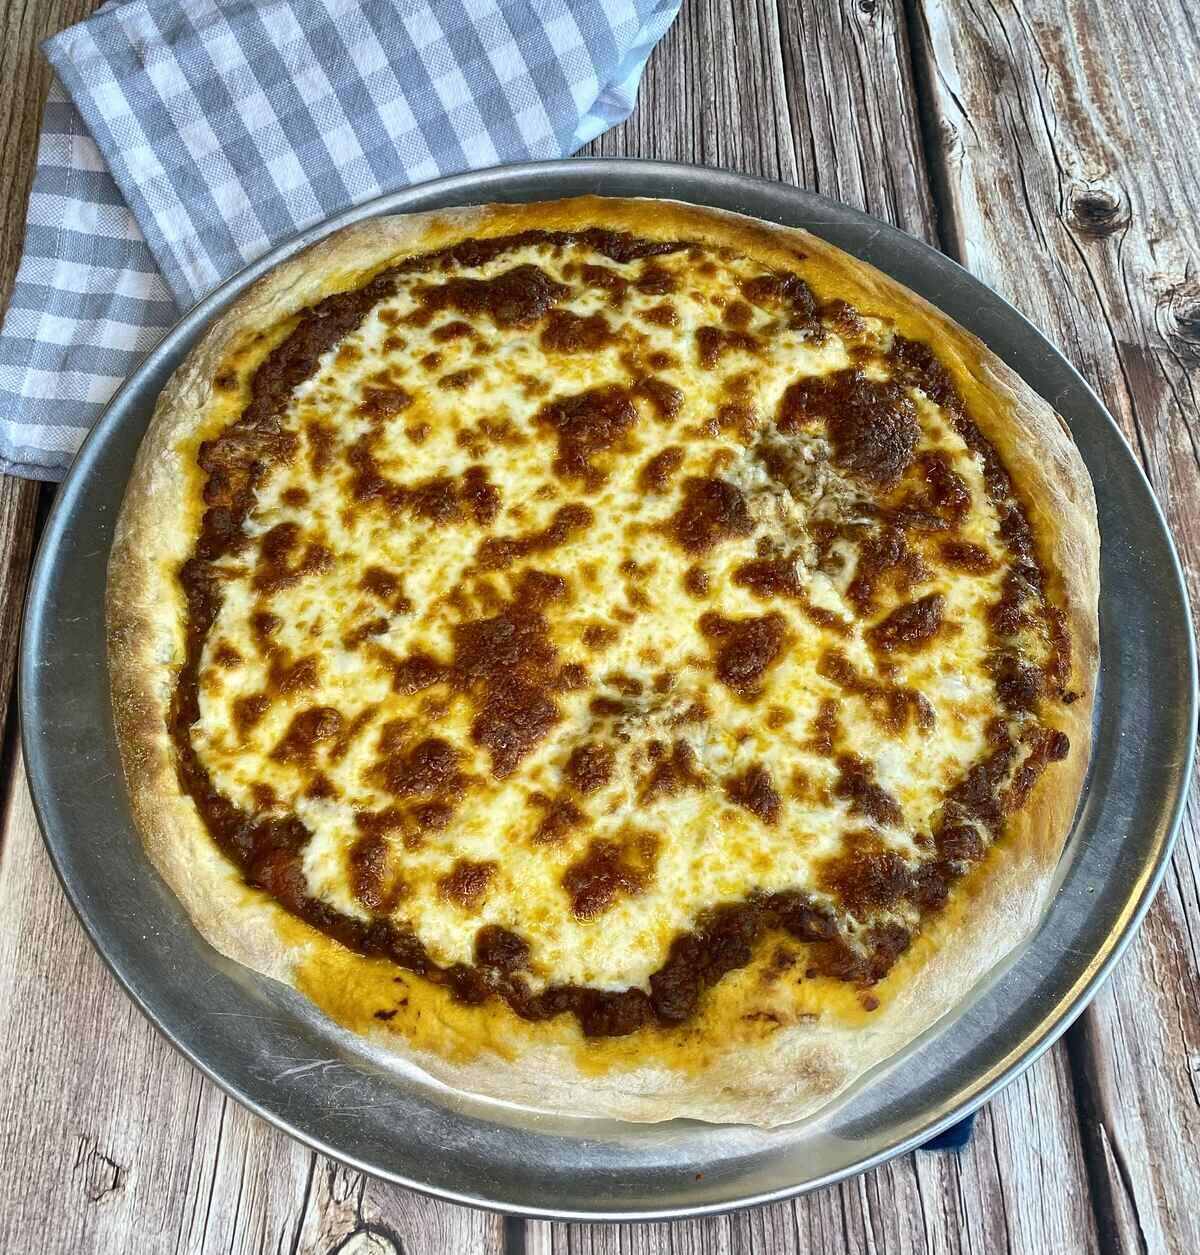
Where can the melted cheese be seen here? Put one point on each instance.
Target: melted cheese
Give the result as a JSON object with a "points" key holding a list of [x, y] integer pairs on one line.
{"points": [[624, 573]]}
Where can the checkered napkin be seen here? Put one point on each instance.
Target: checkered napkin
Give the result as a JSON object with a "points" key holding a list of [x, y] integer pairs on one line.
{"points": [[192, 135]]}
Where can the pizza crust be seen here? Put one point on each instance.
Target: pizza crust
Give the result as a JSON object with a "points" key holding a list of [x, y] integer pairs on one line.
{"points": [[798, 1068]]}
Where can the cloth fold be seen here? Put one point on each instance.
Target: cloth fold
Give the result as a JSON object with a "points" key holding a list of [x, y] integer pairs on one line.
{"points": [[184, 138]]}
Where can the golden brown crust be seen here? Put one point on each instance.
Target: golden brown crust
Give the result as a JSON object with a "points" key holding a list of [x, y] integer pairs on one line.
{"points": [[800, 1065]]}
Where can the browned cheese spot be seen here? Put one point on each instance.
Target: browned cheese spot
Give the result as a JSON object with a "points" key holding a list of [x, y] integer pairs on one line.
{"points": [[308, 729], [783, 291], [666, 399], [590, 766], [657, 471], [695, 581], [946, 500], [560, 817], [664, 314], [440, 499], [382, 403], [672, 772], [264, 796], [248, 711], [608, 869], [909, 627], [373, 877], [892, 706], [754, 791], [510, 660], [965, 556], [501, 950], [282, 561], [429, 769], [586, 424], [738, 315], [712, 343], [599, 635], [871, 423], [566, 332], [843, 318], [868, 876], [386, 586], [364, 631], [457, 380], [226, 656], [885, 553], [516, 298], [713, 510], [744, 649], [769, 577], [656, 280], [287, 675], [467, 883], [498, 552], [417, 672], [263, 626], [778, 717], [1019, 684], [456, 330], [825, 729], [480, 494], [856, 782], [607, 280]]}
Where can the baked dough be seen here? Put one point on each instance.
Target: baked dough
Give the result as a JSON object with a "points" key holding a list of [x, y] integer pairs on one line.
{"points": [[659, 646]]}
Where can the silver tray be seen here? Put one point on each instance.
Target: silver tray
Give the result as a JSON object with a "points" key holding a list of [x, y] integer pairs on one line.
{"points": [[269, 1048]]}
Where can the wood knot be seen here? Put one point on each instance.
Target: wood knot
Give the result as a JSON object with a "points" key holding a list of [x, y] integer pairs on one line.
{"points": [[868, 7], [369, 1239], [1097, 211], [99, 1174], [1180, 308], [949, 138]]}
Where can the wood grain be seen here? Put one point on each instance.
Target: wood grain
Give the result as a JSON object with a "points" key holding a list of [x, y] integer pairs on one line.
{"points": [[1067, 167]]}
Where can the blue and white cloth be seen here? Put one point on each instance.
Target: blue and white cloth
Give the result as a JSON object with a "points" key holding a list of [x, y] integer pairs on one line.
{"points": [[183, 138]]}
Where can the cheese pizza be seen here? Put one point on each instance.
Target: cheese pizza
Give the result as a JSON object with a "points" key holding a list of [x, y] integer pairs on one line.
{"points": [[623, 658]]}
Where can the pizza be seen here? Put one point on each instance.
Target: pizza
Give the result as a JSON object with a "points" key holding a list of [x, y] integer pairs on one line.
{"points": [[620, 657]]}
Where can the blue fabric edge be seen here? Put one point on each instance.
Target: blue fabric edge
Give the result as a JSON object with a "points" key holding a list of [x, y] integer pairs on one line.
{"points": [[955, 1138]]}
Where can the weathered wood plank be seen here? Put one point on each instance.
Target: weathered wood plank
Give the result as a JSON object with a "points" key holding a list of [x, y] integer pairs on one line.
{"points": [[815, 94], [1019, 1187], [358, 1215], [1068, 169]]}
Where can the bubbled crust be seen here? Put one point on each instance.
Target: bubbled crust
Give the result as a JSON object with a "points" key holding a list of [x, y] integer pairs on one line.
{"points": [[766, 1080]]}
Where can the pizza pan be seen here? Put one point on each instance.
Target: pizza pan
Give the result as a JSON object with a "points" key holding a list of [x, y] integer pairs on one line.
{"points": [[270, 1049]]}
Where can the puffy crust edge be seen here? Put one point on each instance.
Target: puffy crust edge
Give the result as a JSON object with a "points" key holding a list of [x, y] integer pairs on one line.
{"points": [[800, 1068]]}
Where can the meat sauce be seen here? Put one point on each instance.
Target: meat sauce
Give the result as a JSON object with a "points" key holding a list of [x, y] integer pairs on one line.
{"points": [[509, 667]]}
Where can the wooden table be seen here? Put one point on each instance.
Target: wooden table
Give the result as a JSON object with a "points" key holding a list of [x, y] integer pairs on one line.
{"points": [[1052, 151]]}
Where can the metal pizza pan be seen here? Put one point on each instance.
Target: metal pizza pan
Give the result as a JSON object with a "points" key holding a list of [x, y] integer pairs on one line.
{"points": [[272, 1051]]}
